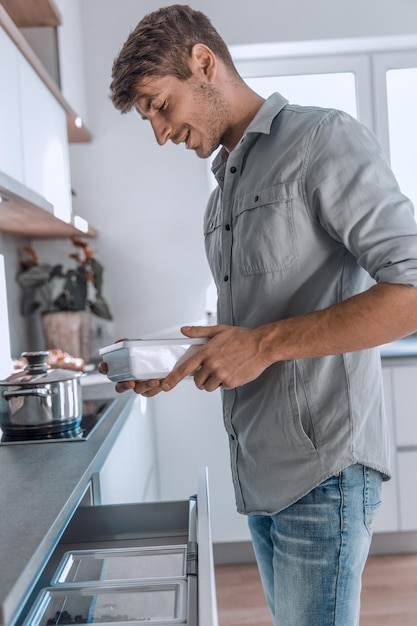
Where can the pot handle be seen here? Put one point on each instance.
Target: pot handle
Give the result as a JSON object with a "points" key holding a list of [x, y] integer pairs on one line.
{"points": [[41, 393]]}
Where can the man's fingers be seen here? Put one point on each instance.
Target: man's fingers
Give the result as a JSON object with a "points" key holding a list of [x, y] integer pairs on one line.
{"points": [[125, 386], [141, 387], [186, 367], [103, 368], [211, 384]]}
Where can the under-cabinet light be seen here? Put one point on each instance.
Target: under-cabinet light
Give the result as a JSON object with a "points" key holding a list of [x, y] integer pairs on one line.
{"points": [[78, 121], [80, 223]]}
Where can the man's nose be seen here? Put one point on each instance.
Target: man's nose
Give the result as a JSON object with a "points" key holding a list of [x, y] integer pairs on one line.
{"points": [[162, 130]]}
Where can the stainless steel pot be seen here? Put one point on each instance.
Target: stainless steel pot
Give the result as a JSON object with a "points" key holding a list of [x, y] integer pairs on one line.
{"points": [[39, 399]]}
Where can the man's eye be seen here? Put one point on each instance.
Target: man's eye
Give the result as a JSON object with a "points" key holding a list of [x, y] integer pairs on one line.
{"points": [[163, 106]]}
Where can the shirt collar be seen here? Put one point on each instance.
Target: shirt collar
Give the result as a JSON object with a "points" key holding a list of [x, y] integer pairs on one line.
{"points": [[261, 123]]}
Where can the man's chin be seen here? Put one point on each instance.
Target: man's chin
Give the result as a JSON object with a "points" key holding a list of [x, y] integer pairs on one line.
{"points": [[205, 152]]}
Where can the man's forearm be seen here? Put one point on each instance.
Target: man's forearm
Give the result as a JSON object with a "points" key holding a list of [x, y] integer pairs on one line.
{"points": [[381, 314]]}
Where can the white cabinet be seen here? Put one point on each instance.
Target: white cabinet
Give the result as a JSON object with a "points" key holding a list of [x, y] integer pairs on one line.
{"points": [[387, 519], [11, 162], [407, 470], [36, 125], [129, 473], [405, 404], [399, 509], [71, 56], [45, 142], [190, 435]]}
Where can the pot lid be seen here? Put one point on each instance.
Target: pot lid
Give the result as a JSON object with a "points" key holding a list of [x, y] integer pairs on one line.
{"points": [[38, 372]]}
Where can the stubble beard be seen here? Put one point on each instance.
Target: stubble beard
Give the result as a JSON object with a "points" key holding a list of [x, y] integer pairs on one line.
{"points": [[215, 116]]}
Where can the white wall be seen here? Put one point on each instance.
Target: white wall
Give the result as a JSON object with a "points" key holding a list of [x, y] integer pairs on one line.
{"points": [[148, 201]]}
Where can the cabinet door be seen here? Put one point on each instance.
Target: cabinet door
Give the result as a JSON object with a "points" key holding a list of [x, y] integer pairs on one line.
{"points": [[404, 379], [405, 402], [387, 519], [72, 56], [129, 473], [407, 470], [11, 162], [190, 435], [45, 142]]}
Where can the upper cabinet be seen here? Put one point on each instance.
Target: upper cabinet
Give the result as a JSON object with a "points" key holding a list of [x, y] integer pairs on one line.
{"points": [[77, 131], [45, 156], [11, 162], [36, 126]]}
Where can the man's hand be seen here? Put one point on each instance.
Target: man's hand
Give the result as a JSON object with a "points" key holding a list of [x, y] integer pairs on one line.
{"points": [[231, 357], [147, 388]]}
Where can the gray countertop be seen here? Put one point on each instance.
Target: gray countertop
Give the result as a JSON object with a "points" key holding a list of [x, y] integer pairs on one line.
{"points": [[41, 486]]}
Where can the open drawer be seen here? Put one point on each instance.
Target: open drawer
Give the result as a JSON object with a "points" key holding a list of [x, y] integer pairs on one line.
{"points": [[126, 564]]}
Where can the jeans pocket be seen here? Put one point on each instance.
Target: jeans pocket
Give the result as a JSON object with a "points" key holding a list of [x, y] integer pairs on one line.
{"points": [[373, 483]]}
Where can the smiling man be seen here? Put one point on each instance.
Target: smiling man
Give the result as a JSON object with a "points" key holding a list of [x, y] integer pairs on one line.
{"points": [[306, 211]]}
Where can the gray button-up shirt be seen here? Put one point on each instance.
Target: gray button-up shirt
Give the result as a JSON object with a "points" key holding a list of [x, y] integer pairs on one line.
{"points": [[306, 213]]}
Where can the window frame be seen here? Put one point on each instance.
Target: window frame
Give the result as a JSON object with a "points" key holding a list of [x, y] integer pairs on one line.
{"points": [[368, 58]]}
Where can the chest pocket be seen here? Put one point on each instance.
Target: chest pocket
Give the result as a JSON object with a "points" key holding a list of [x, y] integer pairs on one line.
{"points": [[264, 237]]}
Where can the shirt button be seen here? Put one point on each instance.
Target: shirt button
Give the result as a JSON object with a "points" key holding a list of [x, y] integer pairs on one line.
{"points": [[227, 226], [256, 198], [226, 278], [233, 169]]}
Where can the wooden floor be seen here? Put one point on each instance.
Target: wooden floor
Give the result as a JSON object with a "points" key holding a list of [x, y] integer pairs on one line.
{"points": [[389, 595]]}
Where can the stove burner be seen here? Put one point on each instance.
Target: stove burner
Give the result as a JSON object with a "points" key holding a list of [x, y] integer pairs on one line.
{"points": [[79, 430], [68, 433]]}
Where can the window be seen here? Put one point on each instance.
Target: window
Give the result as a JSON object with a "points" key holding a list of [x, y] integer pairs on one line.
{"points": [[402, 127], [375, 80], [334, 90], [395, 79]]}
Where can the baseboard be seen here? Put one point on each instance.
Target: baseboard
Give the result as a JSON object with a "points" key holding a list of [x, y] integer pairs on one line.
{"points": [[233, 553], [394, 543]]}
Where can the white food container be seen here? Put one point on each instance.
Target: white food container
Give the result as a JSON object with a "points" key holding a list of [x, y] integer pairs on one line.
{"points": [[142, 359]]}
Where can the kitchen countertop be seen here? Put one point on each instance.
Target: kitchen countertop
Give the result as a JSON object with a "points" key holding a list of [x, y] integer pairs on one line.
{"points": [[41, 486]]}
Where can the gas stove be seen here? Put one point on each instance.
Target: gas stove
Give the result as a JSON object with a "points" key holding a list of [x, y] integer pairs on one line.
{"points": [[93, 413]]}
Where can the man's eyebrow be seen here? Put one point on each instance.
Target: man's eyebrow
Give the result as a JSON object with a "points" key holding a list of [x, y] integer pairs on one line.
{"points": [[146, 105]]}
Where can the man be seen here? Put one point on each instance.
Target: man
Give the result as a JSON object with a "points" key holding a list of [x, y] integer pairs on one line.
{"points": [[305, 211]]}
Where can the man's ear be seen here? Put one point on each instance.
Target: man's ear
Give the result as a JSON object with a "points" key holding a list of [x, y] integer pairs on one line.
{"points": [[203, 62]]}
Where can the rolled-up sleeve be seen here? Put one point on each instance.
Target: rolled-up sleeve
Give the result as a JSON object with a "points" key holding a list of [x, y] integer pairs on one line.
{"points": [[352, 192]]}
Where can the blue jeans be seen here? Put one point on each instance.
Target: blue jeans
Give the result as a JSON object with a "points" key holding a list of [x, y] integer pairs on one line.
{"points": [[312, 554]]}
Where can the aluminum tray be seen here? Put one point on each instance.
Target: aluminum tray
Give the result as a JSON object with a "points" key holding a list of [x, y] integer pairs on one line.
{"points": [[142, 359], [127, 605], [117, 565]]}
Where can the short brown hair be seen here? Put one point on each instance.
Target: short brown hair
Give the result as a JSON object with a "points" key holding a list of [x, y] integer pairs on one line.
{"points": [[161, 45]]}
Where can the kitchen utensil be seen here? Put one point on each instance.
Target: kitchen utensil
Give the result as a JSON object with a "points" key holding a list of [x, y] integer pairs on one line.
{"points": [[40, 399]]}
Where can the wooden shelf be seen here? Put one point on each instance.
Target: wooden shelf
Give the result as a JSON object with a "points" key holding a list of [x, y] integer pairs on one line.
{"points": [[76, 134], [24, 212], [33, 12]]}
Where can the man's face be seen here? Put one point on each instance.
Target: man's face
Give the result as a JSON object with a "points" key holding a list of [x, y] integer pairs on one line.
{"points": [[191, 112]]}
